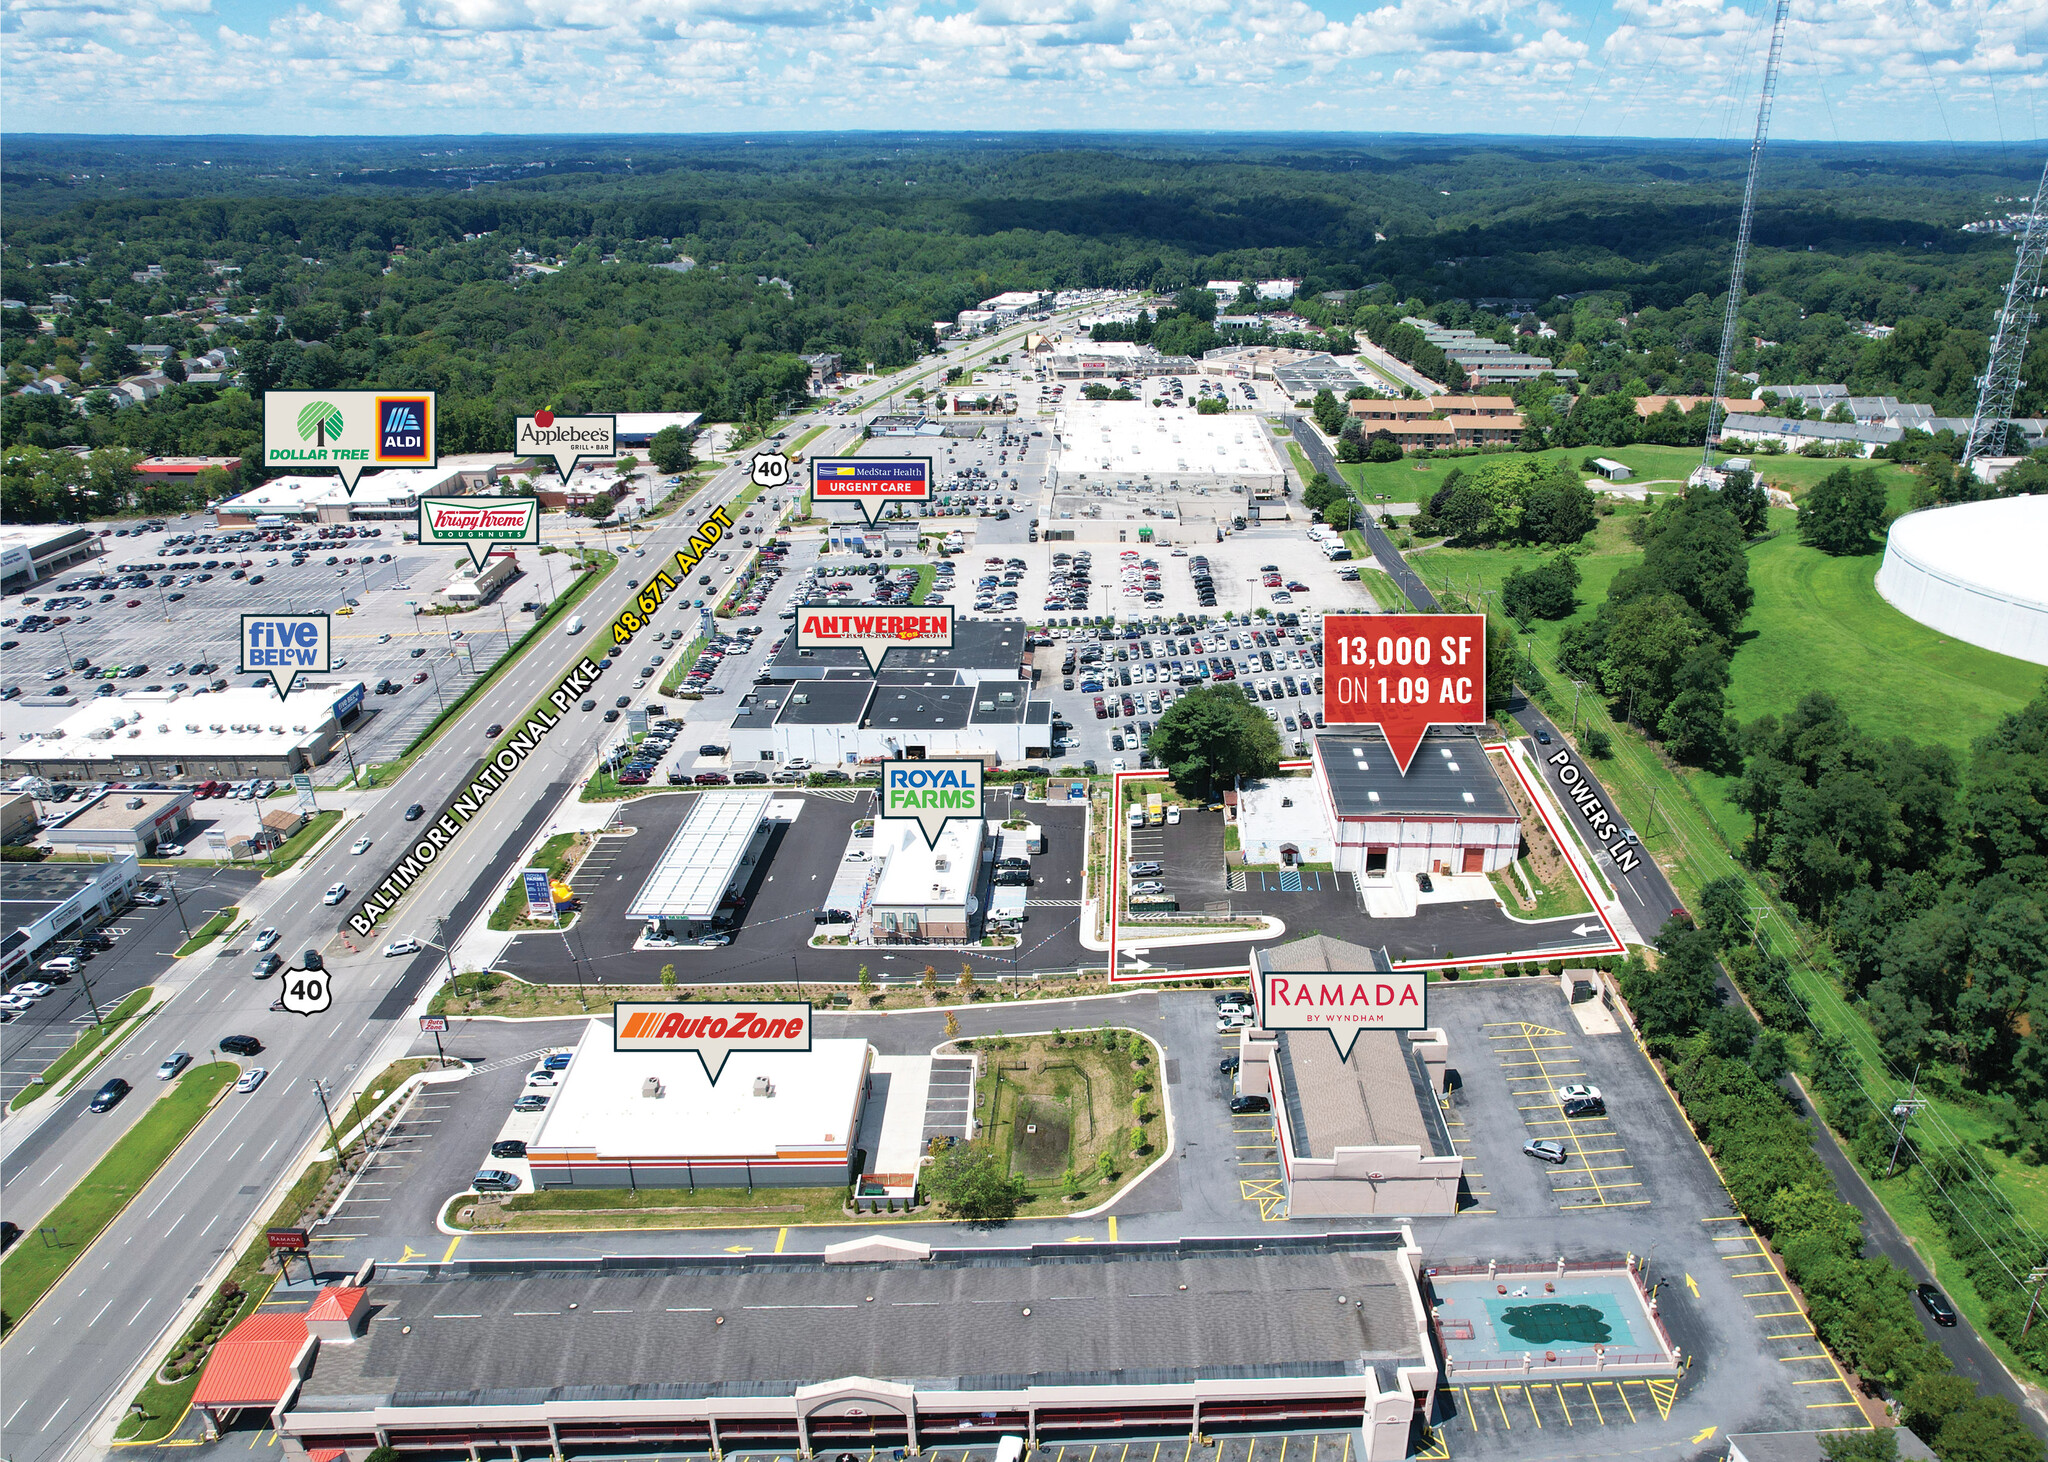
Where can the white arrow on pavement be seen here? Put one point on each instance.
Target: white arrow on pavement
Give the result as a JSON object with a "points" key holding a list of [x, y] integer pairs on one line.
{"points": [[1582, 930]]}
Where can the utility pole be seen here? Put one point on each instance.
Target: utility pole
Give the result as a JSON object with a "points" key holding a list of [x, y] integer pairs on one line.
{"points": [[1902, 1113], [1650, 825], [171, 883], [1576, 686], [320, 1091], [2039, 1273], [447, 956]]}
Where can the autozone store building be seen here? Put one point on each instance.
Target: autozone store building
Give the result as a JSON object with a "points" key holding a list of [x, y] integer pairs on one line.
{"points": [[877, 1343]]}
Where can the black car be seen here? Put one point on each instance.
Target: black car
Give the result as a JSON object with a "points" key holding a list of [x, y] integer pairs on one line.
{"points": [[1240, 1105], [510, 1147], [1936, 1304], [1585, 1107], [415, 812], [109, 1096], [493, 730], [240, 1045]]}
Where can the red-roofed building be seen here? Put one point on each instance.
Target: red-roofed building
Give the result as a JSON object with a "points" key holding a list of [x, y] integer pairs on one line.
{"points": [[254, 1364], [338, 1313], [182, 469]]}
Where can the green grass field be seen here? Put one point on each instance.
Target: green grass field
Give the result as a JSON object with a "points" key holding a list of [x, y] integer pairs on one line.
{"points": [[1662, 469], [203, 935], [92, 1045]]}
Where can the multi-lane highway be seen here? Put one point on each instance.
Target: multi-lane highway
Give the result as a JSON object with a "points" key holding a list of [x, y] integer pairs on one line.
{"points": [[74, 1359]]}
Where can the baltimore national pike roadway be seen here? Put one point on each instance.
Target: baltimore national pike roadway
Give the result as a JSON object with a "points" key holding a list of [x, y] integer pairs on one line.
{"points": [[78, 1352]]}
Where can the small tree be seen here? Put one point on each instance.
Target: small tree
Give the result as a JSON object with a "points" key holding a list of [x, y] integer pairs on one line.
{"points": [[668, 977], [974, 1183], [1138, 1143], [866, 984], [1070, 1182], [930, 983], [952, 1025], [966, 980], [1105, 1166]]}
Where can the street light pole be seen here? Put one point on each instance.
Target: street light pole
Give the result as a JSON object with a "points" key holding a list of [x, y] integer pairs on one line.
{"points": [[171, 882]]}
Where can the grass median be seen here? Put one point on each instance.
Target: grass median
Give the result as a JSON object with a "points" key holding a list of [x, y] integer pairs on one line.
{"points": [[39, 1259], [204, 934], [92, 1044]]}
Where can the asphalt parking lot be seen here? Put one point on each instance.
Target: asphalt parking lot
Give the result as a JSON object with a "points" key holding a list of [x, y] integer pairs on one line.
{"points": [[431, 658], [145, 941], [772, 942]]}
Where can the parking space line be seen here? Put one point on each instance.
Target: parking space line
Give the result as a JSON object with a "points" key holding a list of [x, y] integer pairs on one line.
{"points": [[1786, 1359], [1778, 1314], [1757, 1294], [1792, 1335], [1833, 1405], [1622, 1391]]}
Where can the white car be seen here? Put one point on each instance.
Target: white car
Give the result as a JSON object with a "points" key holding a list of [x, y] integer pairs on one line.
{"points": [[401, 946], [360, 846], [170, 850], [1578, 1091], [1232, 1020], [15, 1003], [335, 894], [265, 938], [252, 1078], [31, 989], [543, 1077], [1172, 813]]}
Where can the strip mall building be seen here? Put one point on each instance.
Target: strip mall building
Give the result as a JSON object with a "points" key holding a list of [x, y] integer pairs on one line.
{"points": [[1052, 1343]]}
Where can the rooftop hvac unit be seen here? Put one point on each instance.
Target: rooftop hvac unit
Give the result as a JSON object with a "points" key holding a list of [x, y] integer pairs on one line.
{"points": [[277, 730], [216, 728], [651, 1087], [941, 865], [136, 804], [763, 1087], [162, 726], [134, 730], [193, 727]]}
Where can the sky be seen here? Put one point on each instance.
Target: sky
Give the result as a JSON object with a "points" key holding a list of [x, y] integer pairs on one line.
{"points": [[1854, 70]]}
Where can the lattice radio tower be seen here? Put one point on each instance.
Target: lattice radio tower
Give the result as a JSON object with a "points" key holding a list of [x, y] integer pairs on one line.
{"points": [[2001, 379], [1756, 156]]}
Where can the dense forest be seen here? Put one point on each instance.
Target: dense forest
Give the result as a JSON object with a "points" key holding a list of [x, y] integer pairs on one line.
{"points": [[511, 273]]}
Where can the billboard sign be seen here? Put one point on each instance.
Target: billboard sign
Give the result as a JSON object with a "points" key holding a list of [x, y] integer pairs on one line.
{"points": [[291, 1240], [566, 439], [479, 524], [713, 1030], [433, 1025], [931, 793], [1404, 673], [1343, 1002], [874, 632], [871, 483], [348, 430], [540, 897], [284, 646]]}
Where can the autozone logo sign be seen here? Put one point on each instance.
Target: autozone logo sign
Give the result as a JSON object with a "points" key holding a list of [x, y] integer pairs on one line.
{"points": [[711, 1029]]}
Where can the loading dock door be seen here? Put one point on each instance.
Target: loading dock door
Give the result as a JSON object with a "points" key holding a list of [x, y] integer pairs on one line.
{"points": [[1475, 860]]}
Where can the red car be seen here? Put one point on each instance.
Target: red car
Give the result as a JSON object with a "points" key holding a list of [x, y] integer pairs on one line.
{"points": [[713, 779]]}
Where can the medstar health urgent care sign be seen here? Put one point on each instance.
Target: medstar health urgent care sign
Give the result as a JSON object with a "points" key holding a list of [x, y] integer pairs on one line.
{"points": [[711, 1029], [1342, 1002], [348, 430], [283, 646], [873, 632], [931, 793], [871, 483], [1404, 673], [479, 524]]}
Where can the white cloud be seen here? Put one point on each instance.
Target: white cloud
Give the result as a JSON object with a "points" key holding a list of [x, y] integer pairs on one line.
{"points": [[1861, 68]]}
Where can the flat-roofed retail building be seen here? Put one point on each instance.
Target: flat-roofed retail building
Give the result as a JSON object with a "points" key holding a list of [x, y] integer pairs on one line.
{"points": [[45, 902], [1448, 814], [243, 731], [122, 821], [813, 1354], [1359, 1135], [1111, 444], [653, 1119]]}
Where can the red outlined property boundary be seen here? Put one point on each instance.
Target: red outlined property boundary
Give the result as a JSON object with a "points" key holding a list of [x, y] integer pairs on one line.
{"points": [[1119, 823]]}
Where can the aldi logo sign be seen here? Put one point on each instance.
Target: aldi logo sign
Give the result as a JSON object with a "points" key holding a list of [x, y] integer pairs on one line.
{"points": [[402, 429]]}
